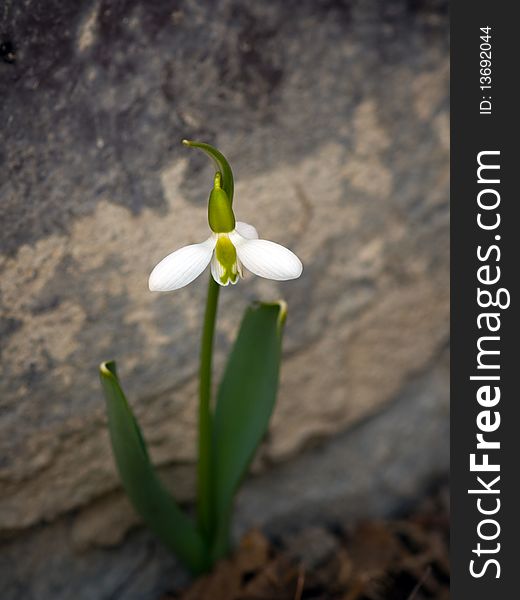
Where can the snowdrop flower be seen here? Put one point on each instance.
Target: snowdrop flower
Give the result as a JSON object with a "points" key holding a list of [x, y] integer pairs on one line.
{"points": [[231, 246]]}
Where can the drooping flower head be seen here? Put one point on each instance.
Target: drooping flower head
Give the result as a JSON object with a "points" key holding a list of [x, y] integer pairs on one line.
{"points": [[231, 246]]}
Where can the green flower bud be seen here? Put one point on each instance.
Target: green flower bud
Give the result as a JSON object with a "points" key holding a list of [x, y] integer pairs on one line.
{"points": [[220, 214]]}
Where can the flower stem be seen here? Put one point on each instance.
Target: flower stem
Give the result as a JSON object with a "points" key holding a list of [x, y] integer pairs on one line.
{"points": [[204, 470]]}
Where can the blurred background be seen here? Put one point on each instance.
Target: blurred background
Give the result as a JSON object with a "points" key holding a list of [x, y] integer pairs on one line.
{"points": [[334, 117]]}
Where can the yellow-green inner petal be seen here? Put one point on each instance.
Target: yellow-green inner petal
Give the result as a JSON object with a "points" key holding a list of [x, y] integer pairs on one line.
{"points": [[227, 257]]}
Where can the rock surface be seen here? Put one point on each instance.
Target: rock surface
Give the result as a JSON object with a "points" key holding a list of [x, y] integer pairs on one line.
{"points": [[334, 115], [378, 467]]}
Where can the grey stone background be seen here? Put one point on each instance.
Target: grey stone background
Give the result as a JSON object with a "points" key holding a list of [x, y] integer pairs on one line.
{"points": [[334, 116]]}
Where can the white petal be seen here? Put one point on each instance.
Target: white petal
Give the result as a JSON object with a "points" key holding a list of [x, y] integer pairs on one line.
{"points": [[267, 259], [181, 267], [245, 230]]}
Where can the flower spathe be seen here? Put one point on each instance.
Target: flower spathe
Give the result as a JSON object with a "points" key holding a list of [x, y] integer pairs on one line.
{"points": [[228, 253]]}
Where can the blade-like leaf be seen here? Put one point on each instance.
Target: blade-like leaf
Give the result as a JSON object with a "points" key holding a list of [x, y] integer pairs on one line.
{"points": [[221, 163], [245, 401], [151, 500]]}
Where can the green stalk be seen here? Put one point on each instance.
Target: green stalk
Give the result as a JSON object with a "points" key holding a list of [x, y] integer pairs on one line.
{"points": [[204, 468], [222, 537]]}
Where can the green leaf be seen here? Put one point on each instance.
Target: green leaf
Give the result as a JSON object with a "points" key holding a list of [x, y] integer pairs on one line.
{"points": [[245, 401], [151, 500], [221, 163]]}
